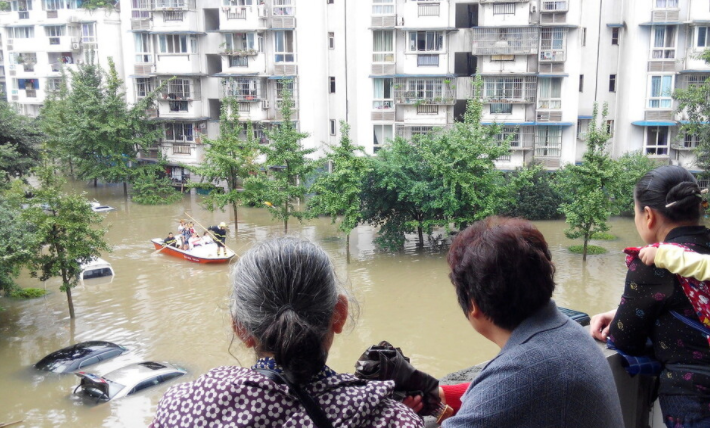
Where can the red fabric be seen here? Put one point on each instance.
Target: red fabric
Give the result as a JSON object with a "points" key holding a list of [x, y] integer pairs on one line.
{"points": [[453, 394]]}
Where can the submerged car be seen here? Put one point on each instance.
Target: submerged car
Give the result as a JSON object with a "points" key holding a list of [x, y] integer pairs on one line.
{"points": [[126, 380], [78, 356], [95, 268]]}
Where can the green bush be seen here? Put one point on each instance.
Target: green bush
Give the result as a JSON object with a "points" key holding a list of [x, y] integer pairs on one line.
{"points": [[27, 293], [150, 186], [603, 236], [534, 198], [591, 249]]}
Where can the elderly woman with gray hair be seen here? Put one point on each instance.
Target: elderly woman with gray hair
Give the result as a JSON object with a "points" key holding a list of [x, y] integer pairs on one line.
{"points": [[287, 306]]}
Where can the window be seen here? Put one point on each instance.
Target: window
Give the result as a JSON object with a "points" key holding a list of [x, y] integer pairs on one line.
{"points": [[663, 42], [383, 46], [610, 127], [242, 88], [690, 141], [381, 134], [54, 32], [508, 88], [582, 128], [143, 87], [583, 37], [332, 126], [701, 38], [382, 7], [425, 89], [548, 141], [501, 108], [240, 42], [172, 15], [179, 132], [428, 9], [382, 96], [22, 32], [552, 44], [666, 4], [53, 84], [174, 43], [421, 41], [504, 9], [615, 36], [581, 83], [283, 8], [140, 9], [331, 85], [284, 46], [179, 89], [238, 61], [427, 109], [428, 60], [21, 5], [657, 140], [550, 96], [612, 83], [143, 44], [52, 4], [330, 1], [659, 91], [177, 106], [88, 32], [244, 107], [512, 132], [421, 130], [331, 40], [281, 86]]}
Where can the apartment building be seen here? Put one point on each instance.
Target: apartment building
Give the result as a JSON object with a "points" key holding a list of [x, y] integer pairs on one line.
{"points": [[388, 67], [39, 37]]}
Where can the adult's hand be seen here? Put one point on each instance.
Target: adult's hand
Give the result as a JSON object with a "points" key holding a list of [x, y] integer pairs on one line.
{"points": [[599, 325]]}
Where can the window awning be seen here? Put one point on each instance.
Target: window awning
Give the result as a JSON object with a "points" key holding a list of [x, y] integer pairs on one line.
{"points": [[250, 30], [651, 24], [428, 29], [447, 76], [694, 71], [165, 73], [685, 122], [179, 119], [553, 75], [699, 22], [584, 117], [654, 123], [508, 26], [236, 75], [179, 33], [140, 76], [615, 25], [563, 124], [281, 77]]}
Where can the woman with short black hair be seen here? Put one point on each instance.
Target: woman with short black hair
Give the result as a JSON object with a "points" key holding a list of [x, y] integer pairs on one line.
{"points": [[287, 305], [549, 372]]}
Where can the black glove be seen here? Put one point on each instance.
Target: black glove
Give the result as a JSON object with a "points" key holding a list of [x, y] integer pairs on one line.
{"points": [[385, 362]]}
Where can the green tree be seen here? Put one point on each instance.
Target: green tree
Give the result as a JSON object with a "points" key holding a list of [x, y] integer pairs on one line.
{"points": [[694, 103], [19, 144], [338, 193], [150, 185], [588, 188], [229, 158], [629, 169], [16, 233], [53, 122], [288, 166], [104, 134], [65, 236], [532, 194]]}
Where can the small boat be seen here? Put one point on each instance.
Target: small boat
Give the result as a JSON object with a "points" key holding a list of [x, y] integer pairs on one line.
{"points": [[202, 254], [96, 268], [98, 208]]}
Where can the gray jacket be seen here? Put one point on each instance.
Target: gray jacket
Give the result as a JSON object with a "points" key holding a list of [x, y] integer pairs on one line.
{"points": [[550, 373]]}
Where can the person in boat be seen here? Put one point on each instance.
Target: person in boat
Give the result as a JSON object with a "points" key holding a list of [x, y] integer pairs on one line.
{"points": [[287, 305], [195, 241], [548, 372], [219, 234], [170, 241], [207, 239], [654, 304], [187, 232]]}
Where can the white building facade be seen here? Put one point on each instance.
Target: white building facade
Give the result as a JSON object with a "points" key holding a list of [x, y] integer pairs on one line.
{"points": [[387, 67]]}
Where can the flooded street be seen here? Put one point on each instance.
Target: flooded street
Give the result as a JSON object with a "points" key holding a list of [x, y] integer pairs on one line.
{"points": [[166, 309]]}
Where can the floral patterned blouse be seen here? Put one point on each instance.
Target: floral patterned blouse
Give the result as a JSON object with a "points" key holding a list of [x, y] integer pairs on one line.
{"points": [[650, 294], [240, 397]]}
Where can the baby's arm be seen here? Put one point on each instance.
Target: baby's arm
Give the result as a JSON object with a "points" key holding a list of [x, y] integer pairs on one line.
{"points": [[681, 262]]}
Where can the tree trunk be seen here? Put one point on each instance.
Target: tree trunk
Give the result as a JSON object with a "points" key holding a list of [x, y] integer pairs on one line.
{"points": [[234, 208], [347, 247], [285, 212], [96, 181], [420, 231], [69, 298], [584, 251], [125, 189]]}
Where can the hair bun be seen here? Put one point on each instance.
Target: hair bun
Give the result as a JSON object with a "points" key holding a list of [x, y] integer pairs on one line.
{"points": [[683, 195]]}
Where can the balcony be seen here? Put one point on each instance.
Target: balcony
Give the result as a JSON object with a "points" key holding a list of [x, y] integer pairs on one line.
{"points": [[242, 89], [514, 90], [168, 5], [505, 41], [665, 15], [423, 91]]}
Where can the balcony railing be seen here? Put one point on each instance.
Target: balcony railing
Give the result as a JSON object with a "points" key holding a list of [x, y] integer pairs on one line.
{"points": [[553, 55], [243, 89], [505, 41], [417, 91], [686, 81], [670, 15], [499, 90], [164, 5]]}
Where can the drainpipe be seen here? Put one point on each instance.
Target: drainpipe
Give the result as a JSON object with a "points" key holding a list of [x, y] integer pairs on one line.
{"points": [[345, 32]]}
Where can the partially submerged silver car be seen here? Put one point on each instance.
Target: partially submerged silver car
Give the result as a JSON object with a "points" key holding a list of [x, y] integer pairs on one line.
{"points": [[79, 355], [126, 380]]}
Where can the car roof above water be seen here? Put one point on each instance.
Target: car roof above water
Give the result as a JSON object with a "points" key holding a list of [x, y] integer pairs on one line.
{"points": [[136, 371], [70, 358]]}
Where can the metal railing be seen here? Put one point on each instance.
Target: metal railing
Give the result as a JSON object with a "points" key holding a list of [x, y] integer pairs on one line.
{"points": [[505, 41]]}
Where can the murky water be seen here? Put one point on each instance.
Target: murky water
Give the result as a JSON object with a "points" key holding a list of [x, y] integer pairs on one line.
{"points": [[167, 309]]}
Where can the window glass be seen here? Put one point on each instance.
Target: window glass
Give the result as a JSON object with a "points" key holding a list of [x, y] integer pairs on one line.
{"points": [[383, 46]]}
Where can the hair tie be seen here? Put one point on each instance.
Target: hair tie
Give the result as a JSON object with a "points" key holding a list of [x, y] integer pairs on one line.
{"points": [[284, 308]]}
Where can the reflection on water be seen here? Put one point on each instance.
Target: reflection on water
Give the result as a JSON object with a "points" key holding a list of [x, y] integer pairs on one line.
{"points": [[163, 308]]}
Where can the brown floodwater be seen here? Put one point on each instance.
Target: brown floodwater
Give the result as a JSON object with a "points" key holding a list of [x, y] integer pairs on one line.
{"points": [[166, 309]]}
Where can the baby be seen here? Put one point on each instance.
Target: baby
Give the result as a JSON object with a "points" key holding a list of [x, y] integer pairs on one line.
{"points": [[678, 261]]}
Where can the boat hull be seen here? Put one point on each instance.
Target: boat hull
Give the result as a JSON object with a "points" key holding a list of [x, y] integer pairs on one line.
{"points": [[191, 256]]}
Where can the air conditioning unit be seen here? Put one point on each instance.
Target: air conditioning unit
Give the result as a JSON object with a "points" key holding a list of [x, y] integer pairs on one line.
{"points": [[265, 104], [75, 46], [533, 8]]}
